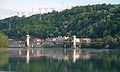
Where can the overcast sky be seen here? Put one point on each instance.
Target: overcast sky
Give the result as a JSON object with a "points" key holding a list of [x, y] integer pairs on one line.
{"points": [[28, 7]]}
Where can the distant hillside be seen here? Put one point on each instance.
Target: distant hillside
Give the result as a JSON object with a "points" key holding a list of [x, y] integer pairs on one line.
{"points": [[95, 21]]}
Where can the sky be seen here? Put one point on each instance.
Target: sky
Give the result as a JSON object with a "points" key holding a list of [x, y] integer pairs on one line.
{"points": [[10, 8]]}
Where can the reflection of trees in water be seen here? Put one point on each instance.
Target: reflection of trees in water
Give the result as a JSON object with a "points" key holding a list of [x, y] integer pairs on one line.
{"points": [[97, 63], [3, 57], [38, 66]]}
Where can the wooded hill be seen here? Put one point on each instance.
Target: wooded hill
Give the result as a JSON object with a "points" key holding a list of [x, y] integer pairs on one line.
{"points": [[95, 21]]}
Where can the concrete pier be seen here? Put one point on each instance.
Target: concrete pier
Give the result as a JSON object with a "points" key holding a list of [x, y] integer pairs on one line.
{"points": [[28, 41], [74, 41]]}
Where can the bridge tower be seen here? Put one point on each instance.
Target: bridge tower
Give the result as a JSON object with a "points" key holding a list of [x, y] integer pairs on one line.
{"points": [[74, 41], [28, 41]]}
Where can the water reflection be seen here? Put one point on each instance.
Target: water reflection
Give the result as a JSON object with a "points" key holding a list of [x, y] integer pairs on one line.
{"points": [[27, 55], [4, 58], [62, 60], [55, 53], [58, 54]]}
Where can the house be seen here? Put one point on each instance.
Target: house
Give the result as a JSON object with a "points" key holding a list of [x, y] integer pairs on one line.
{"points": [[37, 41], [86, 40]]}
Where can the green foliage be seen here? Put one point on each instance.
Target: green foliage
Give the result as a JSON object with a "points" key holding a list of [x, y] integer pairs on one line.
{"points": [[4, 40], [108, 39], [95, 21], [112, 42], [3, 57]]}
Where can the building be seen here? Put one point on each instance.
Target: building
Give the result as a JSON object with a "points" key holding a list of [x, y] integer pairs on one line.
{"points": [[86, 40]]}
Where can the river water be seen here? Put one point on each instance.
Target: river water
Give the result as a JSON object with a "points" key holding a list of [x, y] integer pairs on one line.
{"points": [[59, 60]]}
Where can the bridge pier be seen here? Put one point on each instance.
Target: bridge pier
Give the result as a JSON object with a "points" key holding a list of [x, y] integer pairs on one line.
{"points": [[74, 41], [28, 41], [27, 49]]}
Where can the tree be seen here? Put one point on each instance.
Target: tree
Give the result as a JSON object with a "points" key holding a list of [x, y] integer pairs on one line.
{"points": [[4, 40], [112, 42]]}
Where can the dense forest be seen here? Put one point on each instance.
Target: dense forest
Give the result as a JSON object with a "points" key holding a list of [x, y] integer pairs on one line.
{"points": [[94, 21]]}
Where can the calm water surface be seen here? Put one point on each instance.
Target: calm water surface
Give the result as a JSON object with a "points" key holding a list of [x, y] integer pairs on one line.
{"points": [[59, 60]]}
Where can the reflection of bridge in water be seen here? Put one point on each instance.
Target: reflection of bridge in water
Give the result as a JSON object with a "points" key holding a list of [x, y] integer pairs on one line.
{"points": [[47, 53], [54, 53]]}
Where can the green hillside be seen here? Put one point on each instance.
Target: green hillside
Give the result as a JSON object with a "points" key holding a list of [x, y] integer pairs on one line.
{"points": [[95, 21]]}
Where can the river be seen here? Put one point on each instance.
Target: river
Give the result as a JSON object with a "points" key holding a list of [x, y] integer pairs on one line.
{"points": [[59, 60]]}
